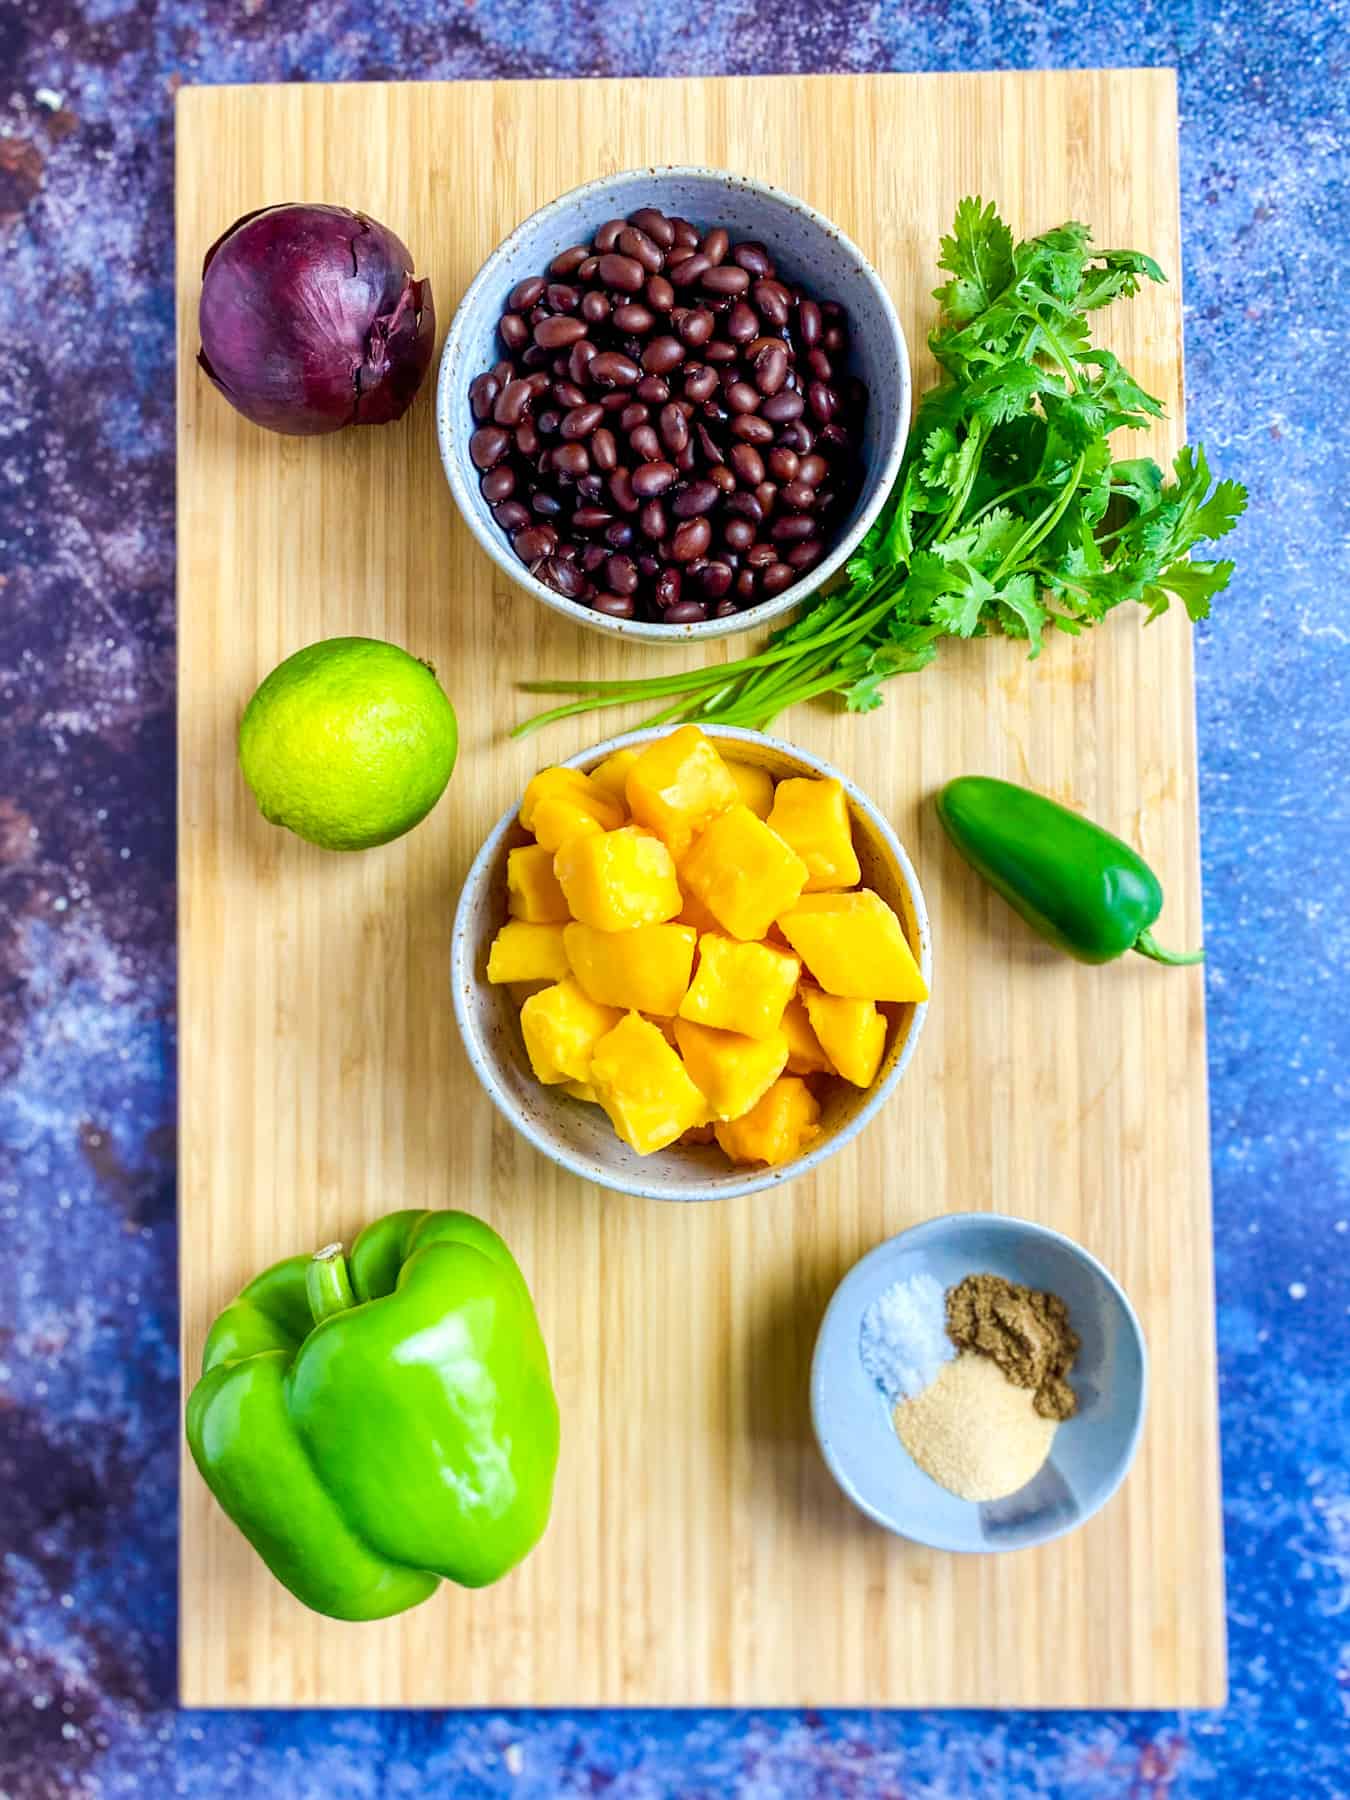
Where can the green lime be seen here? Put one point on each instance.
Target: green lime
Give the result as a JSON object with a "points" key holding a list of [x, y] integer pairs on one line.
{"points": [[348, 743]]}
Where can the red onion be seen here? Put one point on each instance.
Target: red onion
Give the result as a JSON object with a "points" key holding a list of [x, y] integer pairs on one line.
{"points": [[311, 320]]}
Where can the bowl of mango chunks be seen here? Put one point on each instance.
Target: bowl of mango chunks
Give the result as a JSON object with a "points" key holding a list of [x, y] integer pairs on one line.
{"points": [[691, 965]]}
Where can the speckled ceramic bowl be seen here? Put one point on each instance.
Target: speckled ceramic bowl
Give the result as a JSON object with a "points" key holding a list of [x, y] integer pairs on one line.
{"points": [[578, 1136], [1091, 1452], [805, 246]]}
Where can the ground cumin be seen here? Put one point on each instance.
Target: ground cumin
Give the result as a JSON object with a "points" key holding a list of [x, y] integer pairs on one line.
{"points": [[1025, 1332]]}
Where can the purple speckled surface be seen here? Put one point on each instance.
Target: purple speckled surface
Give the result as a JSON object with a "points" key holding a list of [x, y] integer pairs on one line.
{"points": [[88, 1397]]}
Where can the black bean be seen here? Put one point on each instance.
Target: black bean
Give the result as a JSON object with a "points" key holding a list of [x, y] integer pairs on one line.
{"points": [[622, 272], [609, 369], [572, 459], [776, 577], [526, 293], [662, 355], [759, 556], [699, 497], [546, 505], [685, 233], [591, 518], [593, 557], [483, 392], [795, 436], [567, 394], [653, 478], [833, 339], [659, 294], [803, 556], [654, 389], [719, 352], [619, 535], [488, 446], [527, 439], [614, 606], [820, 365], [653, 521], [668, 585], [621, 576], [716, 244], [715, 579], [771, 370], [685, 612], [604, 450], [700, 383], [808, 323], [742, 325], [726, 279], [812, 470], [515, 333], [562, 297], [799, 494], [645, 443], [741, 397], [721, 477], [656, 225], [558, 333], [793, 529], [711, 449], [738, 534], [549, 422], [833, 439], [608, 235], [693, 268], [772, 301], [673, 428], [511, 515], [587, 270], [635, 243], [751, 429], [634, 318], [582, 420], [754, 258], [579, 359], [747, 463], [498, 484], [696, 326], [783, 463], [534, 541], [563, 576], [595, 307], [633, 415], [746, 583], [745, 505], [569, 261]]}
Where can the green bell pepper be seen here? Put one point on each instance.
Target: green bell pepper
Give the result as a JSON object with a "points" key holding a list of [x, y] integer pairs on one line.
{"points": [[1079, 887], [375, 1422]]}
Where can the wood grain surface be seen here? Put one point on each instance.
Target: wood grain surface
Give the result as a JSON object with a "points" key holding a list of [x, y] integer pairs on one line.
{"points": [[699, 1553]]}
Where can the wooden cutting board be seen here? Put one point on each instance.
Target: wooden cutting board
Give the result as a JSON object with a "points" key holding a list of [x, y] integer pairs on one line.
{"points": [[699, 1553]]}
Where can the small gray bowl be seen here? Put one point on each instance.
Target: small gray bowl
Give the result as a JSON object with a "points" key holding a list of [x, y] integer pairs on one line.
{"points": [[1091, 1453], [578, 1136], [804, 245]]}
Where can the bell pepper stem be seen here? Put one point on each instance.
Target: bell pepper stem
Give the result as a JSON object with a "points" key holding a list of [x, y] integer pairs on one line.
{"points": [[328, 1286], [1146, 945]]}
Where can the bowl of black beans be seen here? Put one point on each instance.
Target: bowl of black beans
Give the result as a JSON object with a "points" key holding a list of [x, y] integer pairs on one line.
{"points": [[672, 402]]}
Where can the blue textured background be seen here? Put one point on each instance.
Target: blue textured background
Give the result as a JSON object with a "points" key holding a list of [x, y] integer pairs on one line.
{"points": [[88, 1399]]}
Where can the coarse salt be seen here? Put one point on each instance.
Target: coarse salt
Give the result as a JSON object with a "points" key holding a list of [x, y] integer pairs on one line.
{"points": [[903, 1341]]}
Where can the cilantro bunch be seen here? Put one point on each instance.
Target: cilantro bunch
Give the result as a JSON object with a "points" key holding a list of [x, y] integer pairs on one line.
{"points": [[1009, 516]]}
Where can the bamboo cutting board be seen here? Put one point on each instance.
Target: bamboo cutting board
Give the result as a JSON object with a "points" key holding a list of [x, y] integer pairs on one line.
{"points": [[699, 1553]]}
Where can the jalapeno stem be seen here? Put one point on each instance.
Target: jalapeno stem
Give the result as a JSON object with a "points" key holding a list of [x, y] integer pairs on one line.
{"points": [[328, 1286], [1146, 945]]}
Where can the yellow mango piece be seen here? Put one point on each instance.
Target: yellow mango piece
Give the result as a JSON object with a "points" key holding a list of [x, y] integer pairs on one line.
{"points": [[852, 1032], [524, 952], [581, 1090], [743, 873], [784, 1123], [644, 970], [755, 785], [740, 987], [612, 774], [677, 785], [695, 913], [730, 1070], [812, 816], [561, 1027], [562, 803], [643, 1086], [806, 1053], [532, 890], [854, 946], [615, 880]]}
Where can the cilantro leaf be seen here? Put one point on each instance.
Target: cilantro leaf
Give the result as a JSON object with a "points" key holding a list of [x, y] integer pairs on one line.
{"points": [[979, 257]]}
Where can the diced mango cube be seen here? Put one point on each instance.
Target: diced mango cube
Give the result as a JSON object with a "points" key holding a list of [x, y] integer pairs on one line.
{"points": [[612, 774], [532, 890], [852, 1032], [616, 880], [806, 1053], [561, 1027], [778, 1128], [524, 952], [756, 786], [644, 970], [740, 987], [813, 817], [562, 803], [644, 1087], [743, 873], [854, 946], [677, 785], [730, 1070]]}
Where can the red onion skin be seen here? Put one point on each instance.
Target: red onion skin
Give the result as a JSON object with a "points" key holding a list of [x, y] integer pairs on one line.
{"points": [[311, 320]]}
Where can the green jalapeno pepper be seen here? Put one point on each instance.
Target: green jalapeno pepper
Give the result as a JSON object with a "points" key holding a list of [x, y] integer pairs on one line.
{"points": [[1082, 889]]}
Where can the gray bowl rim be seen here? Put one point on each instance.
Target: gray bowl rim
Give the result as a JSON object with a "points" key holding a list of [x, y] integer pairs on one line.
{"points": [[912, 1237], [463, 980], [449, 376]]}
